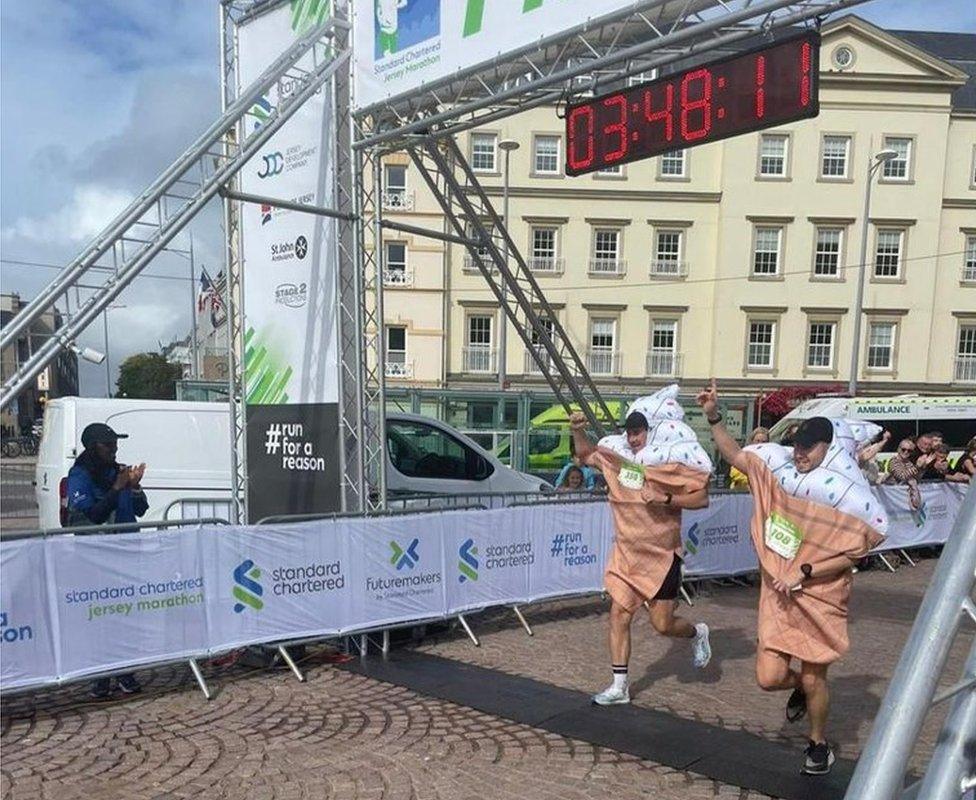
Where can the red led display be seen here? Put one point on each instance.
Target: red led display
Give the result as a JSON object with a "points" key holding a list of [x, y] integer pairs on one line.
{"points": [[745, 92]]}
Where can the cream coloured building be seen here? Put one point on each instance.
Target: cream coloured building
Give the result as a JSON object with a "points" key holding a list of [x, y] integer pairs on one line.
{"points": [[736, 259]]}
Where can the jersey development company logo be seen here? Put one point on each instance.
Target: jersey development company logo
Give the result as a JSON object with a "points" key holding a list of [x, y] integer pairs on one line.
{"points": [[467, 563], [404, 557], [691, 543], [273, 164], [248, 591]]}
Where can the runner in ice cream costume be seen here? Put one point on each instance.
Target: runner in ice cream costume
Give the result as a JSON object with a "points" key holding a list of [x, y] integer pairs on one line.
{"points": [[653, 471], [814, 516]]}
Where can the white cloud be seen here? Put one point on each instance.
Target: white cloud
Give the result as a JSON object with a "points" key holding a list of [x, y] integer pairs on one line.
{"points": [[90, 210]]}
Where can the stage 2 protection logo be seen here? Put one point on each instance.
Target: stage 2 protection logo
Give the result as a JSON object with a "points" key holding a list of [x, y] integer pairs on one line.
{"points": [[291, 294]]}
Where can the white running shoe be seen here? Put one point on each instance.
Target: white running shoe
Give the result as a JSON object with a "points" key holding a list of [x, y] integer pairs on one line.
{"points": [[701, 647], [612, 696]]}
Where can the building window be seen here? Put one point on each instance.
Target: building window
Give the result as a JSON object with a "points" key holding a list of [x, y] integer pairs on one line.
{"points": [[765, 256], [614, 169], [667, 253], [470, 264], [898, 168], [772, 155], [606, 251], [539, 349], [546, 155], [483, 152], [887, 253], [836, 152], [662, 356], [395, 269], [966, 354], [881, 345], [396, 352], [673, 164], [826, 256], [760, 351], [395, 196], [820, 345], [602, 342], [969, 259], [543, 253], [478, 354]]}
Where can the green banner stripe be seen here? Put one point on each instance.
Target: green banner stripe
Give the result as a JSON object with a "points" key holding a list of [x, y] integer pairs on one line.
{"points": [[469, 573], [248, 599], [473, 17]]}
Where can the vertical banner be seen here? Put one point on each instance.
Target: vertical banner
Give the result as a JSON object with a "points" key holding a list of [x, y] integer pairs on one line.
{"points": [[27, 627], [290, 304]]}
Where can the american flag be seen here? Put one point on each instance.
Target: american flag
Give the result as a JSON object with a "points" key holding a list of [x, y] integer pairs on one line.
{"points": [[208, 295]]}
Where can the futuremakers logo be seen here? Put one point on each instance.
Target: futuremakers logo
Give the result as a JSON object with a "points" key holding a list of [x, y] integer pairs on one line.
{"points": [[467, 562], [404, 557], [247, 591]]}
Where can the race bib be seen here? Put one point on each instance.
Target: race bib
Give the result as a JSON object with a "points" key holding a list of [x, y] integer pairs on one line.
{"points": [[782, 536], [631, 475]]}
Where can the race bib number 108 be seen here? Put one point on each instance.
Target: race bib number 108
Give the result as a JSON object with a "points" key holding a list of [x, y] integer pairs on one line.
{"points": [[782, 536]]}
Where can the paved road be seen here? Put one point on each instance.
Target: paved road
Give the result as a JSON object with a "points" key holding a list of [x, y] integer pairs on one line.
{"points": [[348, 737], [17, 488]]}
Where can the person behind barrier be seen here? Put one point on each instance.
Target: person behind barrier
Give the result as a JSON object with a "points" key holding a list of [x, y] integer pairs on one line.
{"points": [[573, 480], [902, 469], [104, 492], [738, 482], [942, 470], [967, 461], [814, 516], [589, 474], [645, 566]]}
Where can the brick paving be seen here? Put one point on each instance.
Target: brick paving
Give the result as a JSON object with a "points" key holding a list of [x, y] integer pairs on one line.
{"points": [[264, 736]]}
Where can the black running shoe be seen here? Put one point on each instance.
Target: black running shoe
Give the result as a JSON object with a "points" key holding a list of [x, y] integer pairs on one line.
{"points": [[819, 759], [101, 689], [796, 706], [128, 684]]}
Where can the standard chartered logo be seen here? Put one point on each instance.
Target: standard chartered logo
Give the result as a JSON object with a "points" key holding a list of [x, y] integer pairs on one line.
{"points": [[247, 590], [508, 555], [691, 543], [467, 562]]}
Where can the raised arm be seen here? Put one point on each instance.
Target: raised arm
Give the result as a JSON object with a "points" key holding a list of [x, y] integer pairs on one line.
{"points": [[724, 441], [581, 442], [868, 453]]}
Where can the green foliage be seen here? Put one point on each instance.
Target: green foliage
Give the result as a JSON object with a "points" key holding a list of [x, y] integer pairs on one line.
{"points": [[148, 376]]}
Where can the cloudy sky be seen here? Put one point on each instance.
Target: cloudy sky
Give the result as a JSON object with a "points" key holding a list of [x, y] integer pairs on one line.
{"points": [[98, 97]]}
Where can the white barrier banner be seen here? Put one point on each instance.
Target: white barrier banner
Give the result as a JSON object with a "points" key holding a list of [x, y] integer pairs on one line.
{"points": [[717, 540], [930, 524], [127, 599], [27, 633], [571, 544]]}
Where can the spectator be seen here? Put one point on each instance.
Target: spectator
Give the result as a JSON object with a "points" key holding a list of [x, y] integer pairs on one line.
{"points": [[738, 482], [867, 459], [589, 474], [104, 492], [902, 469], [941, 469], [927, 442], [967, 461], [573, 480]]}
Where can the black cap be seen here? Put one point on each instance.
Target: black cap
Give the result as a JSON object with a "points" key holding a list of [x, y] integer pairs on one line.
{"points": [[813, 430], [100, 432], [636, 422]]}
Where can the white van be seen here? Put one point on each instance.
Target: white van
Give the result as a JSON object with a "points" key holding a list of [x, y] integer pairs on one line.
{"points": [[186, 447], [904, 416]]}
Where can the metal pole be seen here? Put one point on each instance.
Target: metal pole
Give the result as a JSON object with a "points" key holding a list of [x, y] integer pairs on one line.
{"points": [[193, 313], [503, 317], [859, 303], [881, 767], [108, 359]]}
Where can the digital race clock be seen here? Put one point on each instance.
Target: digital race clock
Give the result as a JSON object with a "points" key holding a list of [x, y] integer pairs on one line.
{"points": [[745, 92]]}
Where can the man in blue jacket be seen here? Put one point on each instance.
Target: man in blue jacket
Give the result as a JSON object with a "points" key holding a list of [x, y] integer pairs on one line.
{"points": [[104, 492]]}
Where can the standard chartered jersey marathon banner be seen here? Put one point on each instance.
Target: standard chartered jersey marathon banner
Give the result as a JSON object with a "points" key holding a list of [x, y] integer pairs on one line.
{"points": [[929, 524], [401, 44], [716, 539], [290, 266], [27, 627]]}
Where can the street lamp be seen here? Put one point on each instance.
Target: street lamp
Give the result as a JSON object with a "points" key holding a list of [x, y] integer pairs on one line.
{"points": [[507, 146], [873, 163]]}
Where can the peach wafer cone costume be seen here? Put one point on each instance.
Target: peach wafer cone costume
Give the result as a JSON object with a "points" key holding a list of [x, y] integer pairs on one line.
{"points": [[648, 537], [810, 624]]}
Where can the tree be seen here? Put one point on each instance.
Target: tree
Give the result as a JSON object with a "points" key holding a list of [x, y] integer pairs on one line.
{"points": [[148, 376]]}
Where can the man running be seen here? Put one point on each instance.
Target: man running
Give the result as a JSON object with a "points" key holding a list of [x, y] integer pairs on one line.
{"points": [[645, 565], [814, 517]]}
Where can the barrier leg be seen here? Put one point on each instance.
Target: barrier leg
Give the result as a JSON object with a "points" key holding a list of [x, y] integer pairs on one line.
{"points": [[907, 558], [386, 642], [886, 562], [286, 657], [685, 595], [363, 645], [467, 630], [518, 613], [195, 669]]}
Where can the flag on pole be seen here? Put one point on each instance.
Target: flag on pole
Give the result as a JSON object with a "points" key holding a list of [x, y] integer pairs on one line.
{"points": [[208, 295]]}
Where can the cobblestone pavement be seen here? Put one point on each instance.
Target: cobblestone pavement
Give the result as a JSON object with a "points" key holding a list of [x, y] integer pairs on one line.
{"points": [[341, 736]]}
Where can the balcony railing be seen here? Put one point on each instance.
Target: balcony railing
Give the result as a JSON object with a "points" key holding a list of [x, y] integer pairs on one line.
{"points": [[547, 265], [397, 365], [969, 273], [663, 363], [398, 200], [666, 268], [607, 266], [603, 361], [398, 277], [532, 366], [471, 266], [966, 368], [479, 358]]}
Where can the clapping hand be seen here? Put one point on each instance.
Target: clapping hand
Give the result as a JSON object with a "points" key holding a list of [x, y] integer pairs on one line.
{"points": [[135, 476]]}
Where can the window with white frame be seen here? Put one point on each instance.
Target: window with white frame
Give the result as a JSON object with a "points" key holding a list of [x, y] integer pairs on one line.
{"points": [[900, 167], [482, 250], [543, 253], [667, 252], [820, 345], [969, 259], [541, 354], [966, 354], [836, 153], [772, 154], [545, 157], [606, 250], [602, 343], [826, 255], [761, 341], [887, 253], [765, 254], [673, 164], [613, 169], [477, 355], [396, 350], [396, 178], [484, 152], [396, 262], [881, 345], [662, 356]]}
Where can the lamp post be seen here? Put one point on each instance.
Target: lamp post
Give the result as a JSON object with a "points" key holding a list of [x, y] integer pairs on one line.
{"points": [[873, 163], [507, 146]]}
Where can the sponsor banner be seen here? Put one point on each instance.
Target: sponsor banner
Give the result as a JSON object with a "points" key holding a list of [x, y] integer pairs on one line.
{"points": [[716, 539], [27, 632], [931, 523], [571, 543], [127, 599], [402, 44]]}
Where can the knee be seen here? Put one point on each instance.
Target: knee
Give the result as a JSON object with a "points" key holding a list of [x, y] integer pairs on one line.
{"points": [[661, 622], [620, 616], [769, 682], [811, 682]]}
